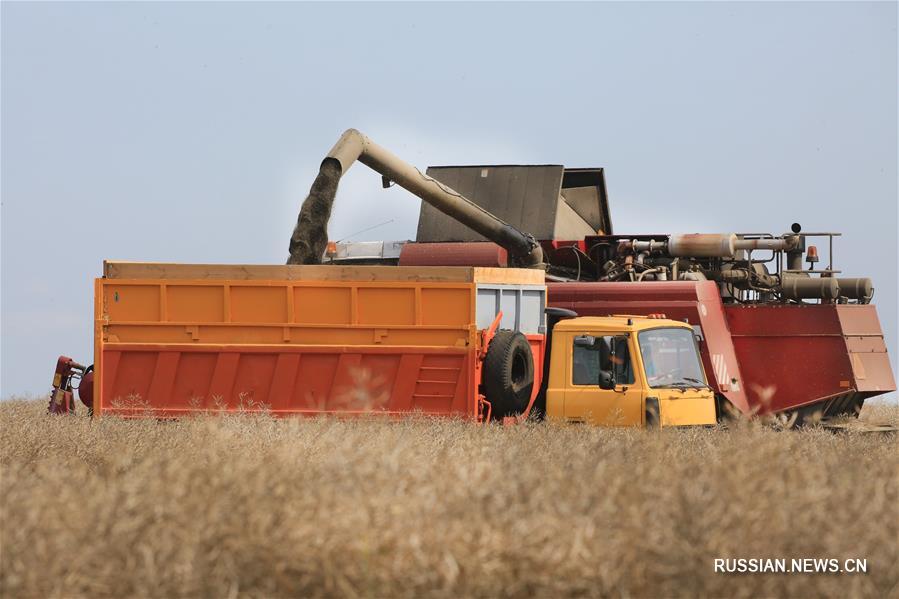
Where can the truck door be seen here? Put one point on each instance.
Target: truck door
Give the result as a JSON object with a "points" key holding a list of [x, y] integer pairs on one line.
{"points": [[585, 400]]}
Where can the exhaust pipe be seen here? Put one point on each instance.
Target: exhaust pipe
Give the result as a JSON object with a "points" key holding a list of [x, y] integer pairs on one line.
{"points": [[711, 245], [309, 239]]}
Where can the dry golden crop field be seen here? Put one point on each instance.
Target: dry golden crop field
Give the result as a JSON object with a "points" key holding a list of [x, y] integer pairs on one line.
{"points": [[254, 506]]}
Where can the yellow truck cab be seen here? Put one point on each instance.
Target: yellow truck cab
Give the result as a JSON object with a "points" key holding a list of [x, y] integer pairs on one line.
{"points": [[627, 371]]}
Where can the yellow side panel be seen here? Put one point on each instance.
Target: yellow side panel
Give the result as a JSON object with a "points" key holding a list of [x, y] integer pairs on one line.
{"points": [[386, 306], [458, 337], [322, 305], [258, 304], [559, 365], [133, 303], [688, 411], [200, 303], [287, 312], [446, 306]]}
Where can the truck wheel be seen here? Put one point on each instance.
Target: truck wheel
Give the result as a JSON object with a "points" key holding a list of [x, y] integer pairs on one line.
{"points": [[508, 374]]}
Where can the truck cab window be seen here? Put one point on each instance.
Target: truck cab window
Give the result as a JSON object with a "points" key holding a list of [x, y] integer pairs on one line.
{"points": [[606, 353]]}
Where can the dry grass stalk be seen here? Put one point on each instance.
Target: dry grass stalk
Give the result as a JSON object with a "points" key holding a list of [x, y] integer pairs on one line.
{"points": [[249, 505]]}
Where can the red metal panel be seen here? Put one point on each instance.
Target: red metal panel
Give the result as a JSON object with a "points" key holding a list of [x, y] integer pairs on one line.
{"points": [[783, 320], [404, 386], [858, 319], [164, 375], [873, 372], [799, 355], [793, 371], [110, 362], [176, 379], [222, 379], [431, 398], [538, 345], [130, 381], [370, 383], [453, 254], [699, 303], [195, 386], [252, 381], [342, 393], [283, 381], [313, 384], [463, 395]]}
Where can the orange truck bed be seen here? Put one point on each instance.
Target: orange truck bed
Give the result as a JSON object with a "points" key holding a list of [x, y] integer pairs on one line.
{"points": [[171, 339]]}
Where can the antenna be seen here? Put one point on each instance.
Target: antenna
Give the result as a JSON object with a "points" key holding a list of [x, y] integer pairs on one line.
{"points": [[386, 222]]}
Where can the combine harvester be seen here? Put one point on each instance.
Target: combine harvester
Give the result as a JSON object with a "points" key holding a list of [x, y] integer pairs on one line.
{"points": [[457, 321]]}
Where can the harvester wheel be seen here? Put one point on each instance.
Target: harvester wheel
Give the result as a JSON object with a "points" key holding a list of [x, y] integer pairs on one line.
{"points": [[508, 374], [653, 417]]}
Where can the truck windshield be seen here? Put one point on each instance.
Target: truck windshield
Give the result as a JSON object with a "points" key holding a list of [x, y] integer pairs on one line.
{"points": [[671, 358]]}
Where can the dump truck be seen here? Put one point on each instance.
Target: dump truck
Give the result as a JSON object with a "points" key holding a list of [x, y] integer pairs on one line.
{"points": [[773, 336], [476, 343]]}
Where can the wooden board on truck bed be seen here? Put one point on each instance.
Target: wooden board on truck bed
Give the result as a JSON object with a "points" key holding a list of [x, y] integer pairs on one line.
{"points": [[253, 272]]}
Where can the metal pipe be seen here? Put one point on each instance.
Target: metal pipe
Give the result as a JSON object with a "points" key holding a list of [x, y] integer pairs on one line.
{"points": [[796, 287], [794, 252], [648, 271], [692, 275], [762, 244], [709, 245], [794, 261], [861, 289], [522, 247], [702, 245], [650, 246]]}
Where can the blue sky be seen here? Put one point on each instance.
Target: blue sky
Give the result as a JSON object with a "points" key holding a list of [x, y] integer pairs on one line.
{"points": [[190, 132]]}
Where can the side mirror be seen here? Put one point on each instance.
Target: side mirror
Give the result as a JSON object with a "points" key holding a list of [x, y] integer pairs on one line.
{"points": [[606, 379], [585, 341]]}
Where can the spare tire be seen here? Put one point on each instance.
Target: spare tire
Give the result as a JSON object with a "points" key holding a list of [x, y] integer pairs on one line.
{"points": [[508, 377]]}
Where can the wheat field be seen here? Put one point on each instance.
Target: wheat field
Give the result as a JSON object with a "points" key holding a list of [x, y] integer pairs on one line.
{"points": [[260, 507]]}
